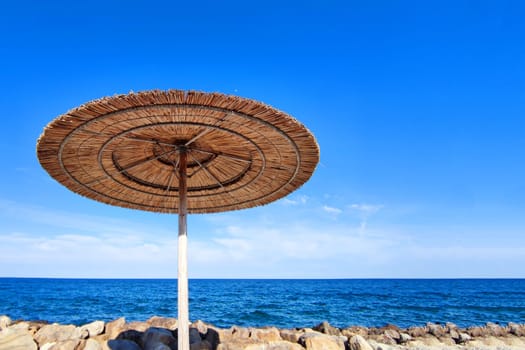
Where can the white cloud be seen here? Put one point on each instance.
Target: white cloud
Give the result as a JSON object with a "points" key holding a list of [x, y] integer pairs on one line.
{"points": [[366, 209], [249, 244], [85, 256], [94, 224], [293, 249], [295, 200], [332, 210], [274, 251]]}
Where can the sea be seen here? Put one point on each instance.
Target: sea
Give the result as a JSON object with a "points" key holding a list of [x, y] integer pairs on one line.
{"points": [[281, 303]]}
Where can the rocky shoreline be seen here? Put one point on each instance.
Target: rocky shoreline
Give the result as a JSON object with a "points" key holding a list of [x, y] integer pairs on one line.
{"points": [[160, 333]]}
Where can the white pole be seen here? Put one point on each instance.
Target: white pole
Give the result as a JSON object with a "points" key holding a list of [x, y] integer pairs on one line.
{"points": [[182, 282]]}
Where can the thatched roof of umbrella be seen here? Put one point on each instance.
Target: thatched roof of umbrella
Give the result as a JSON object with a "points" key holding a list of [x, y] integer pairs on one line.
{"points": [[122, 150]]}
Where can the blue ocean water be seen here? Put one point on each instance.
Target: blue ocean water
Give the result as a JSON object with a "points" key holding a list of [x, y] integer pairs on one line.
{"points": [[281, 303]]}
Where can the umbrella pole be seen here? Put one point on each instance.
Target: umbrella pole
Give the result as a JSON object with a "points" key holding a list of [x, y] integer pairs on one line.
{"points": [[182, 282]]}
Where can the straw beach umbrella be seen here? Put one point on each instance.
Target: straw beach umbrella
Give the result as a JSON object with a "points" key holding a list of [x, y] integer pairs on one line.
{"points": [[178, 152]]}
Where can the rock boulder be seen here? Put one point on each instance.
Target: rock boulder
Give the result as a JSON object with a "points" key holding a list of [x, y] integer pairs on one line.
{"points": [[265, 334], [16, 339], [94, 328], [320, 341], [114, 328], [57, 333], [436, 330], [89, 344], [290, 335], [516, 329], [326, 328], [71, 344], [357, 342], [163, 322], [153, 337], [122, 344], [5, 322], [495, 330]]}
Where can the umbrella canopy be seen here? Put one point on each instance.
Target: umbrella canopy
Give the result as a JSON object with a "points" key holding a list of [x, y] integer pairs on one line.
{"points": [[124, 151], [178, 152]]}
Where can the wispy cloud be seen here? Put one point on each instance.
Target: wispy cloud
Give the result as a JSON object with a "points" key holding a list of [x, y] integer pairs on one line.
{"points": [[244, 245], [78, 255], [73, 221], [296, 200], [365, 211], [334, 249], [277, 250], [44, 242], [332, 210]]}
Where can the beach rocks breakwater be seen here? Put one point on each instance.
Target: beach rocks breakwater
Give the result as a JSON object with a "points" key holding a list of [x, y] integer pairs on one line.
{"points": [[160, 333]]}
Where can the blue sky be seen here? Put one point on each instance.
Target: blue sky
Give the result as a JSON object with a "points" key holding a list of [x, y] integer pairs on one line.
{"points": [[418, 108]]}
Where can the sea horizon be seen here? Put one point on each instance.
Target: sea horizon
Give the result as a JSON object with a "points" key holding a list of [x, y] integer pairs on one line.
{"points": [[270, 278]]}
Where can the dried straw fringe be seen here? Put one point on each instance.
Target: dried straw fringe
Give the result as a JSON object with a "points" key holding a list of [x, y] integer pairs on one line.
{"points": [[66, 147]]}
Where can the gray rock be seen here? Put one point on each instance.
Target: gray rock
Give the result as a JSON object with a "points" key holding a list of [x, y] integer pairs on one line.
{"points": [[34, 326], [212, 337], [495, 330], [133, 335], [450, 326], [200, 326], [195, 335], [436, 330], [428, 341], [5, 322], [16, 339], [70, 344], [320, 341], [290, 335], [241, 344], [476, 331], [454, 334], [153, 337], [265, 334], [94, 328], [257, 346], [447, 340], [84, 333], [163, 322], [378, 346], [57, 333], [392, 334], [138, 326], [516, 329], [417, 332], [355, 330], [21, 326], [123, 344], [90, 344], [385, 339], [224, 335], [114, 328], [404, 338], [357, 342], [463, 338], [240, 332], [159, 346], [326, 328], [201, 345], [249, 344], [283, 345]]}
